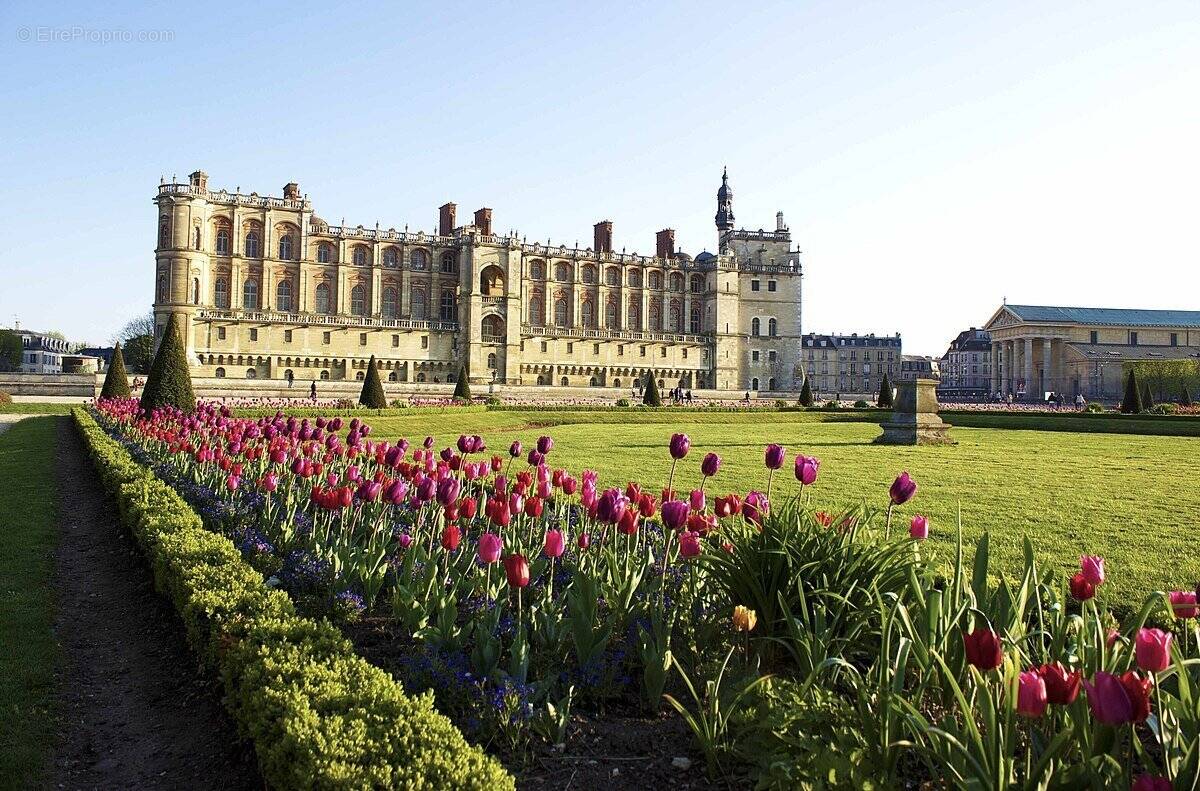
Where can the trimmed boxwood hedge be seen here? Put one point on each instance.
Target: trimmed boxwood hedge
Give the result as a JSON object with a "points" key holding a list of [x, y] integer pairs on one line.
{"points": [[319, 715]]}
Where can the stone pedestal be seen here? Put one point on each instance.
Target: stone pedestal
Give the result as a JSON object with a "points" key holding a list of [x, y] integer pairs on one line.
{"points": [[914, 419]]}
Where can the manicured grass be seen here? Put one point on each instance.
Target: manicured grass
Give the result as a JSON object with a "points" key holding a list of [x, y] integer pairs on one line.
{"points": [[27, 647], [36, 408], [1132, 499]]}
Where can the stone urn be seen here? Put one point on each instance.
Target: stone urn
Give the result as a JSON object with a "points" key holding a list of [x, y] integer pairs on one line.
{"points": [[914, 419]]}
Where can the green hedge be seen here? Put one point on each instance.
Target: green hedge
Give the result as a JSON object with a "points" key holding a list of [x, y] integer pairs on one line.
{"points": [[314, 412], [319, 715], [1084, 422]]}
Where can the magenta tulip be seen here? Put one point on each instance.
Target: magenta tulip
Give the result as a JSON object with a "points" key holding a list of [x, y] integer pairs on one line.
{"points": [[1152, 647], [773, 456], [490, 547], [903, 489], [710, 465], [1092, 567], [680, 445], [696, 500], [689, 544], [1108, 699], [806, 469], [1183, 604], [674, 514], [918, 528], [584, 541], [1031, 694], [1151, 783], [555, 544]]}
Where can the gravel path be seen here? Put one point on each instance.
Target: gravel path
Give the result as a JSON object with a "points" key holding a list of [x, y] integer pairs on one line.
{"points": [[134, 710]]}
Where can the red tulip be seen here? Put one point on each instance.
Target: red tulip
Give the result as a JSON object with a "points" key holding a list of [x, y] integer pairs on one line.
{"points": [[468, 507], [1062, 687], [728, 506], [628, 524], [451, 537], [1183, 604], [1151, 783], [1081, 589], [584, 541], [516, 569], [1152, 647], [534, 507], [1031, 694], [646, 505], [983, 648]]}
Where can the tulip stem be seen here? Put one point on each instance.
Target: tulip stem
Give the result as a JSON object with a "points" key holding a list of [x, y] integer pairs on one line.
{"points": [[887, 530]]}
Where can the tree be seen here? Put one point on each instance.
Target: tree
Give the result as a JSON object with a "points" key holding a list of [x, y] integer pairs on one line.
{"points": [[462, 388], [137, 338], [372, 395], [11, 351], [806, 394], [1132, 403], [1147, 396], [885, 393], [170, 382], [1185, 396], [651, 397], [116, 382]]}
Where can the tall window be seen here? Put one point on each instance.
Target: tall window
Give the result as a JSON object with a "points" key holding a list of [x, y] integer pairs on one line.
{"points": [[322, 298], [253, 244], [633, 319], [635, 278], [390, 310], [537, 309], [491, 360], [283, 295], [655, 317], [420, 260], [588, 314], [772, 328], [360, 256], [676, 281], [222, 241], [676, 319], [755, 327], [420, 309], [610, 316], [697, 321], [195, 291], [612, 276], [562, 272], [286, 246], [164, 232], [221, 292], [390, 257], [589, 274], [561, 316], [358, 301], [250, 295], [324, 253], [449, 263], [655, 280], [537, 270], [697, 284], [448, 309]]}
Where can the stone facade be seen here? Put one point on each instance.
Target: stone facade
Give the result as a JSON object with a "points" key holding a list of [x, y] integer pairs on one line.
{"points": [[966, 367], [267, 287], [1042, 349], [850, 364]]}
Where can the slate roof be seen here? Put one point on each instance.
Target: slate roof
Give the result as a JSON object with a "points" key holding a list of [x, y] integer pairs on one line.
{"points": [[1131, 317], [1117, 351]]}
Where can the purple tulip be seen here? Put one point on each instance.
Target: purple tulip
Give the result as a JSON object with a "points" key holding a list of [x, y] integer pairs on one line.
{"points": [[680, 445], [774, 456], [544, 445], [806, 469], [902, 489], [536, 458], [447, 490], [674, 514], [514, 449], [426, 489], [611, 506], [710, 465]]}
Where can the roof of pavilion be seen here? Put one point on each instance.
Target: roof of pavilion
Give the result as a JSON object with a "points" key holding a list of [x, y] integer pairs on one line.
{"points": [[1119, 317], [1119, 351]]}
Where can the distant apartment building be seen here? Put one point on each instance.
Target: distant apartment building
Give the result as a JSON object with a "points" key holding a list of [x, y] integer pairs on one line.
{"points": [[849, 364], [42, 353], [966, 367]]}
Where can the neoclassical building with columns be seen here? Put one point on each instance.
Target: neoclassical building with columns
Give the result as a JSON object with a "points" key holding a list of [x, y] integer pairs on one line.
{"points": [[268, 289], [1038, 349]]}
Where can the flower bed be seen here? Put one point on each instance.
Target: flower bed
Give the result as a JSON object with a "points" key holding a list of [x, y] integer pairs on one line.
{"points": [[318, 715], [792, 641]]}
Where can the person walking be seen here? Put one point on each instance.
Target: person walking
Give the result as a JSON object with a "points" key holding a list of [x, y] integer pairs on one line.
{"points": [[291, 377], [312, 391]]}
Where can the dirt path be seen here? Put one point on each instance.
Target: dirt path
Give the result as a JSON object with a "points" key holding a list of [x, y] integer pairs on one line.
{"points": [[134, 711]]}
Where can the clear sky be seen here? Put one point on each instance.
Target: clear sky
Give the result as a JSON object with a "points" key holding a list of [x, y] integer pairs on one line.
{"points": [[931, 158]]}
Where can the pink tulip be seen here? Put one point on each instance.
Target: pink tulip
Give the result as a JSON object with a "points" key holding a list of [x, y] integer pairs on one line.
{"points": [[1031, 694], [1152, 647], [491, 546], [405, 540], [584, 541], [689, 544], [1092, 567], [918, 528], [1183, 604], [696, 500], [555, 544]]}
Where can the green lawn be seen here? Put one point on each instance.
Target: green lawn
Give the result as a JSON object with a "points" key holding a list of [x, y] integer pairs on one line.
{"points": [[36, 408], [1133, 499], [27, 647]]}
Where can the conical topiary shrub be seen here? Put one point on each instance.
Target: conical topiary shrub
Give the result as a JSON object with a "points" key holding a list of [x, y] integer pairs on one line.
{"points": [[806, 394], [372, 395], [1185, 397], [1132, 403], [169, 382], [651, 396], [1147, 397], [885, 393], [462, 387], [116, 381]]}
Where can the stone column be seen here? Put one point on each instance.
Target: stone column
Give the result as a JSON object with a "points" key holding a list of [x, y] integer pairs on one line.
{"points": [[1006, 384], [1048, 377], [1030, 386], [996, 376]]}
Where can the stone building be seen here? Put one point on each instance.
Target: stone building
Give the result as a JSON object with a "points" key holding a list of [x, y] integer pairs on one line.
{"points": [[42, 353], [1039, 349], [267, 287], [966, 367], [850, 364]]}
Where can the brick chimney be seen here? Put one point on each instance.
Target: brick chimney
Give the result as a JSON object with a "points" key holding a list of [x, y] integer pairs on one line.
{"points": [[291, 191], [446, 219], [603, 236], [664, 246], [483, 221]]}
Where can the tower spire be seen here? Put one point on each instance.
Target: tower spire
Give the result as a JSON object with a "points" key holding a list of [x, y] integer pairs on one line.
{"points": [[724, 216]]}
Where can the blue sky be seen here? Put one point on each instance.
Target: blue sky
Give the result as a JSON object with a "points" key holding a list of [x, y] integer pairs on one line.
{"points": [[931, 158]]}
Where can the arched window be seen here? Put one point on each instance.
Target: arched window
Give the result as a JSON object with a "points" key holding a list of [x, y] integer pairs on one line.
{"points": [[697, 284], [633, 319], [754, 327], [616, 383], [250, 295], [360, 256], [420, 308], [562, 272], [610, 316], [289, 374], [322, 298], [635, 278], [220, 373], [390, 308], [655, 280], [655, 316], [771, 384], [754, 384], [251, 373], [448, 309], [393, 377], [537, 270], [421, 376], [491, 360], [588, 314], [324, 253], [492, 328], [358, 300], [449, 263], [286, 247], [360, 375], [592, 382], [491, 282], [676, 318], [390, 257], [696, 320], [537, 309], [324, 375], [283, 295], [562, 316], [253, 244], [164, 231], [612, 276], [222, 241], [563, 381], [772, 328], [676, 281], [420, 260], [221, 292], [195, 291], [589, 274]]}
